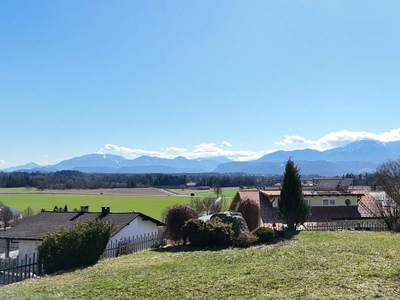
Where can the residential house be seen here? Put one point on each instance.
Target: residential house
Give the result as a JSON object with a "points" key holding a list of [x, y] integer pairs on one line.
{"points": [[16, 214], [332, 200], [30, 233]]}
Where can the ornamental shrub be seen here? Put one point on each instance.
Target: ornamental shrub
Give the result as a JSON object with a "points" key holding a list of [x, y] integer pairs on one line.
{"points": [[245, 240], [264, 234], [193, 231], [75, 247], [250, 211], [175, 218], [221, 234], [212, 233]]}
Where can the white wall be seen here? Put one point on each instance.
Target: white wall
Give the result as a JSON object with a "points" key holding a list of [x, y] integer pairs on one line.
{"points": [[136, 228], [27, 247], [317, 200]]}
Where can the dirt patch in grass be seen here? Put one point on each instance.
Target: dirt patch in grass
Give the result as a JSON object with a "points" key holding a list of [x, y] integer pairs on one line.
{"points": [[116, 191]]}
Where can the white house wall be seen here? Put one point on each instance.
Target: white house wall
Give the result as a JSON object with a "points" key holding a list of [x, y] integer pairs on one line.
{"points": [[136, 228], [316, 200], [27, 247], [339, 200]]}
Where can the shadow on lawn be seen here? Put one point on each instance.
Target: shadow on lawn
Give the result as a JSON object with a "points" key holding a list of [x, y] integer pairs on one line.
{"points": [[281, 236], [188, 248]]}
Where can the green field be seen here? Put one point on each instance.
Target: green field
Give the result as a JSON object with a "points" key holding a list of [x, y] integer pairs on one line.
{"points": [[21, 198], [226, 192], [149, 205], [17, 190], [320, 265]]}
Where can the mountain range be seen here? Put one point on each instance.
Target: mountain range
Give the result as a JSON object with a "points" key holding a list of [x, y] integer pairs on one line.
{"points": [[356, 157]]}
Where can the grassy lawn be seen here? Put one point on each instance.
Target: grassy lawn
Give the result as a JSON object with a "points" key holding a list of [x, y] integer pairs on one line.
{"points": [[150, 205], [321, 265]]}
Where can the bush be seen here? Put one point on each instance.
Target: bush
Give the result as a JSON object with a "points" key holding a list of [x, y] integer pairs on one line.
{"points": [[175, 218], [250, 211], [75, 247], [193, 230], [264, 234], [212, 233], [245, 240]]}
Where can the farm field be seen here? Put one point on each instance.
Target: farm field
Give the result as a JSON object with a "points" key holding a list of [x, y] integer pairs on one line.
{"points": [[318, 265], [16, 190], [226, 192], [150, 201], [147, 202]]}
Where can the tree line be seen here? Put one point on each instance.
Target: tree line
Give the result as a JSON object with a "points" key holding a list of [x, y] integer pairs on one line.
{"points": [[62, 180]]}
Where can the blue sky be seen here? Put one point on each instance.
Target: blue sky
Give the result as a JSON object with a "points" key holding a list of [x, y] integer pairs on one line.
{"points": [[195, 78]]}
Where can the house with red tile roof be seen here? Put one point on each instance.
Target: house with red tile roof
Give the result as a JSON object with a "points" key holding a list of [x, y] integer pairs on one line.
{"points": [[331, 202]]}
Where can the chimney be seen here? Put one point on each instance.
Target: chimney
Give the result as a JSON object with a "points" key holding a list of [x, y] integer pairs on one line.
{"points": [[105, 210], [85, 208]]}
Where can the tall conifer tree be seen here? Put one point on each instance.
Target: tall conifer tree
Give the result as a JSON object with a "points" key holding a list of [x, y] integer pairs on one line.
{"points": [[295, 211]]}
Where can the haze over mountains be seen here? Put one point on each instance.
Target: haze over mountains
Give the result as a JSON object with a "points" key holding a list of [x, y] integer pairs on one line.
{"points": [[356, 157]]}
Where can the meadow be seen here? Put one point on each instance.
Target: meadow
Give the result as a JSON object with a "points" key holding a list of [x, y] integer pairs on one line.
{"points": [[317, 265], [151, 202]]}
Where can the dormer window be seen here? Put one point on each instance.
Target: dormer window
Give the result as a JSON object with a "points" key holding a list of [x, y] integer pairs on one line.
{"points": [[328, 202]]}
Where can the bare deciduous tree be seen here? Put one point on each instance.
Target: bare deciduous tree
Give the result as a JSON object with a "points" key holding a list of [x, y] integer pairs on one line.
{"points": [[217, 189], [387, 179], [6, 215], [28, 212], [209, 205]]}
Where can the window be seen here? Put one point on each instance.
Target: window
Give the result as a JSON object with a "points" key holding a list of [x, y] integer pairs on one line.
{"points": [[307, 201], [328, 202], [383, 203]]}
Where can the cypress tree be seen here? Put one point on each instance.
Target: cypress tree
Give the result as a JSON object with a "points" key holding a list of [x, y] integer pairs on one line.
{"points": [[291, 204]]}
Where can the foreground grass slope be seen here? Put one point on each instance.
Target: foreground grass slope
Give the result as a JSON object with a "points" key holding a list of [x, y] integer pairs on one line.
{"points": [[332, 265]]}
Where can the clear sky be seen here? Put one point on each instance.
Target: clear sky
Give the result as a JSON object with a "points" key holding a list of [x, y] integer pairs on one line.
{"points": [[195, 78]]}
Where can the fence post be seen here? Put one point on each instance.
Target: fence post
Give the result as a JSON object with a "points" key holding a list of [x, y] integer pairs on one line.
{"points": [[39, 265]]}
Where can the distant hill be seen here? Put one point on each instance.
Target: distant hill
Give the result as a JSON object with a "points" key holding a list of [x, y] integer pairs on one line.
{"points": [[108, 163], [357, 157], [28, 166]]}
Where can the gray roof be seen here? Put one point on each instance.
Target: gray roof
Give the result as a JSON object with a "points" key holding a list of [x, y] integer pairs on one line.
{"points": [[35, 227], [13, 210]]}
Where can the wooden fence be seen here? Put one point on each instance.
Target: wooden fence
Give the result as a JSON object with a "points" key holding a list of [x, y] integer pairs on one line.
{"points": [[18, 269], [14, 270], [133, 244]]}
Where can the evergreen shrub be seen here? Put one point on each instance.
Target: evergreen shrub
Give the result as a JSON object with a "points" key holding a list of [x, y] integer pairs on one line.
{"points": [[264, 234], [75, 247], [245, 240], [212, 233]]}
